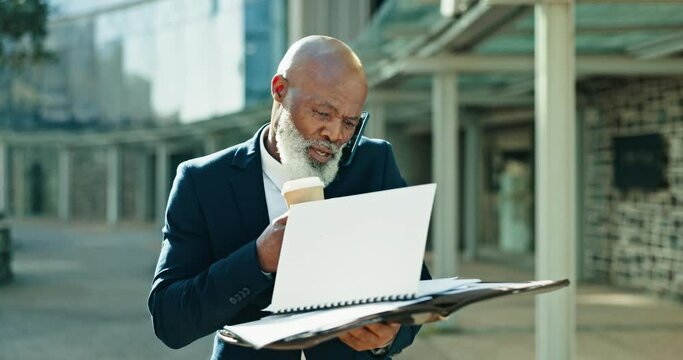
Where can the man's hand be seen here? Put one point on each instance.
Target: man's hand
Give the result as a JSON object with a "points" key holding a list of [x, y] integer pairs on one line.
{"points": [[372, 336], [269, 243]]}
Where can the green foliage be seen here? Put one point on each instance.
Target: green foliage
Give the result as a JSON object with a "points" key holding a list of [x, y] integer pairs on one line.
{"points": [[23, 27]]}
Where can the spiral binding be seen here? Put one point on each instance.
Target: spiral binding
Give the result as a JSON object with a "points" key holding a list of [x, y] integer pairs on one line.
{"points": [[347, 303]]}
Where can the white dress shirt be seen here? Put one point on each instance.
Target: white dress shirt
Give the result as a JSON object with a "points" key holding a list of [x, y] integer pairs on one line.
{"points": [[274, 176]]}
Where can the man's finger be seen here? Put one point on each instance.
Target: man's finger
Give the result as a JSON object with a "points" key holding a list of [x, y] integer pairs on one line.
{"points": [[351, 341], [383, 330], [360, 339], [381, 327], [282, 219], [278, 227], [366, 334]]}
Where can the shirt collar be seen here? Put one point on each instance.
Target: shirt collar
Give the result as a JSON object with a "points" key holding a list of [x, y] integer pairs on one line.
{"points": [[273, 169]]}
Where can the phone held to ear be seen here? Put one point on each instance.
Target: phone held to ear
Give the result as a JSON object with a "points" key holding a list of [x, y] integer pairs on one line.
{"points": [[350, 149]]}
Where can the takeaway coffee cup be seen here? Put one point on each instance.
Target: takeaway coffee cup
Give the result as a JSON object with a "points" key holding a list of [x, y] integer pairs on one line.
{"points": [[303, 190]]}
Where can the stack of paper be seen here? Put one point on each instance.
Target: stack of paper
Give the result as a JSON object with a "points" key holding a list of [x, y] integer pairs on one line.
{"points": [[278, 327], [436, 300]]}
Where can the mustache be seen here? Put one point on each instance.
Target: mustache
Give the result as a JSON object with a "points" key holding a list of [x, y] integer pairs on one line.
{"points": [[332, 147]]}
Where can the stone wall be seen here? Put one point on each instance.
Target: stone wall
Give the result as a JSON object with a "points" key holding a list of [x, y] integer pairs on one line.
{"points": [[632, 238], [88, 184], [137, 184]]}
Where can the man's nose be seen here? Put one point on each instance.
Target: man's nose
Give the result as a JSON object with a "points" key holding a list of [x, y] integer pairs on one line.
{"points": [[333, 132]]}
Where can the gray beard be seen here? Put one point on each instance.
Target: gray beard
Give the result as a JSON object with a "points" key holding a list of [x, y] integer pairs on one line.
{"points": [[293, 149]]}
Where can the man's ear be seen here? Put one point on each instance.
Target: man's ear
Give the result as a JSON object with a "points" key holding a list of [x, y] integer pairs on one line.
{"points": [[278, 87]]}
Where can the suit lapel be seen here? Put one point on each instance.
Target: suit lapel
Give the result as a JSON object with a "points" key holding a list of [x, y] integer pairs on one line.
{"points": [[247, 186]]}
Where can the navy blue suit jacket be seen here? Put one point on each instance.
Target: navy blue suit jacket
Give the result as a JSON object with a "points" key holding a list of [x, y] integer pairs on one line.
{"points": [[208, 273]]}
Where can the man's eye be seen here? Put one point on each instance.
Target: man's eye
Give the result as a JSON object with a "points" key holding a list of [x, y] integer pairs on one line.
{"points": [[320, 113], [349, 123]]}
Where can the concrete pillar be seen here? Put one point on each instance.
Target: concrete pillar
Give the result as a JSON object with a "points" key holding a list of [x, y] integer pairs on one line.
{"points": [[19, 183], [444, 172], [142, 195], [377, 127], [362, 16], [471, 188], [320, 18], [64, 184], [341, 19], [344, 11], [113, 184], [296, 20], [278, 29], [555, 178], [4, 179], [162, 183], [211, 143], [347, 18]]}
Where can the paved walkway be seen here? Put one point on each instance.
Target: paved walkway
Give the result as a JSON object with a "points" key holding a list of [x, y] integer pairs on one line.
{"points": [[80, 293]]}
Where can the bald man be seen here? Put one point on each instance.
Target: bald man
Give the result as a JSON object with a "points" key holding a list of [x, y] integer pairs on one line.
{"points": [[226, 216]]}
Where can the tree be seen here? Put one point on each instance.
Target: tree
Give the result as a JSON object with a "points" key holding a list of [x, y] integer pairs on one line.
{"points": [[22, 31]]}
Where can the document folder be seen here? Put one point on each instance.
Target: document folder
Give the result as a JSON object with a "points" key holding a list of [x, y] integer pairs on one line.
{"points": [[304, 330]]}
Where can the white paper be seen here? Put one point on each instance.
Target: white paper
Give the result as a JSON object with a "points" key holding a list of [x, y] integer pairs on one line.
{"points": [[277, 327], [351, 248]]}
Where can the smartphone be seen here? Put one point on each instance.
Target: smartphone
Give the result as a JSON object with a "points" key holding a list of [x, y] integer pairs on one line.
{"points": [[350, 148]]}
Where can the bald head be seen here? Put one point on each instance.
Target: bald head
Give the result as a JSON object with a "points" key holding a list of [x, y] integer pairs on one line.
{"points": [[323, 59]]}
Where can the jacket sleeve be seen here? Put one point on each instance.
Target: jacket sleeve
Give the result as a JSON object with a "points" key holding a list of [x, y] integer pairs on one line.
{"points": [[406, 334], [193, 296]]}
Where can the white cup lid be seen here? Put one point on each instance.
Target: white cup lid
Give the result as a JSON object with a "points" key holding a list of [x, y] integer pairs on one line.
{"points": [[302, 183]]}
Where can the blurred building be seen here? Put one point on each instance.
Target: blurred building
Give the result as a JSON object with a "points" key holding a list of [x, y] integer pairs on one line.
{"points": [[141, 85], [147, 63]]}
